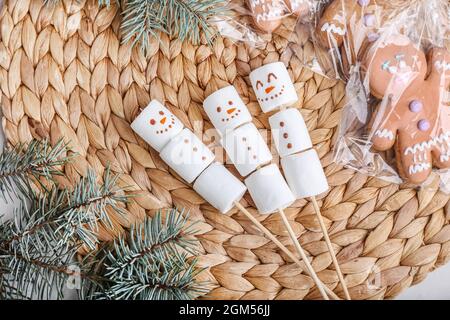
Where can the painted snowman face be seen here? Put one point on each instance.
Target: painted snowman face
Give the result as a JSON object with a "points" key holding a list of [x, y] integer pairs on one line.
{"points": [[163, 122], [273, 86], [157, 125], [187, 155], [226, 110]]}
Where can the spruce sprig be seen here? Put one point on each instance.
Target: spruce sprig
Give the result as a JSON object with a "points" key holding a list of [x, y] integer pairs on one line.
{"points": [[38, 248], [187, 19], [24, 163], [152, 262]]}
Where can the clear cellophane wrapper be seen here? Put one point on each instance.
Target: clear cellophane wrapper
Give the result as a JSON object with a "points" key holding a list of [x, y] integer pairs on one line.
{"points": [[396, 121], [261, 22], [342, 29]]}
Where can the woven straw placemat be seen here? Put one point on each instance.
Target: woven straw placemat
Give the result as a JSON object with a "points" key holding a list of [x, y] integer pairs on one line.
{"points": [[65, 73]]}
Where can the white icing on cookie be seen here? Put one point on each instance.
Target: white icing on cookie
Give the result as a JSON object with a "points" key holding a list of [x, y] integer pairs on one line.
{"points": [[445, 156], [340, 17], [385, 133], [331, 27], [271, 14], [295, 4], [442, 141], [419, 167], [442, 65]]}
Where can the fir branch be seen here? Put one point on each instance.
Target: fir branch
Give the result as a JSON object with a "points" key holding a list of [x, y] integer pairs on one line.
{"points": [[152, 262], [186, 19], [92, 199], [37, 160], [38, 248], [62, 215]]}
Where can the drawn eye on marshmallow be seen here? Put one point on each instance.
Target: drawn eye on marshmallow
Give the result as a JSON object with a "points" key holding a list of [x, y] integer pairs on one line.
{"points": [[259, 85], [271, 76]]}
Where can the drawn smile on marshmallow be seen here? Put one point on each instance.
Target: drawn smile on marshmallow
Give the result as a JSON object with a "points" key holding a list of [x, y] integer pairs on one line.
{"points": [[271, 91], [163, 123], [230, 112]]}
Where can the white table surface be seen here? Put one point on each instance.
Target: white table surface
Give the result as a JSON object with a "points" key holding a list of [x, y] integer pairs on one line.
{"points": [[435, 286]]}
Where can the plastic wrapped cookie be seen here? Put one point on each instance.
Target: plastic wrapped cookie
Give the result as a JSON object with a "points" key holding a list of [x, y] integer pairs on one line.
{"points": [[411, 116], [187, 155], [157, 125], [273, 86], [346, 29], [268, 14], [226, 110]]}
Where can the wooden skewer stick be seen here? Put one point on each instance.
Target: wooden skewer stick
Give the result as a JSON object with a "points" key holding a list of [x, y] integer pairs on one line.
{"points": [[302, 254], [279, 244], [330, 247]]}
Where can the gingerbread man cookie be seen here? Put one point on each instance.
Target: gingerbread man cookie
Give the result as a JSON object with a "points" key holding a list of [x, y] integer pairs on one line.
{"points": [[267, 14], [412, 116]]}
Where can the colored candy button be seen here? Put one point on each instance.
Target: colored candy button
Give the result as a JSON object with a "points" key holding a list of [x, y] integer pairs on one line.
{"points": [[415, 106], [369, 20], [423, 125]]}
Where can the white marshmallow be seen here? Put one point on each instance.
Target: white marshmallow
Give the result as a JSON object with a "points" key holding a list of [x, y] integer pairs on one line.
{"points": [[269, 190], [273, 86], [157, 125], [187, 155], [304, 174], [246, 148], [226, 110], [219, 187], [289, 132]]}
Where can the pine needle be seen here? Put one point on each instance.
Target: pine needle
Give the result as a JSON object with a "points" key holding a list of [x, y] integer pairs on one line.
{"points": [[152, 262], [38, 248], [20, 164]]}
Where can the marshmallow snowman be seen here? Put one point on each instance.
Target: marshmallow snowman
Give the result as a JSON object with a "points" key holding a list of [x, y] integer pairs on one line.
{"points": [[226, 110], [246, 148], [273, 86], [157, 125], [250, 155], [188, 156], [300, 163]]}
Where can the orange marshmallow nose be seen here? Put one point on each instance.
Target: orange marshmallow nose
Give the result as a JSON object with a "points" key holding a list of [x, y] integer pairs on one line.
{"points": [[269, 89], [230, 111], [163, 120]]}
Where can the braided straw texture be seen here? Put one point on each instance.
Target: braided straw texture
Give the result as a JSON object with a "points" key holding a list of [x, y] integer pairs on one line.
{"points": [[65, 73]]}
